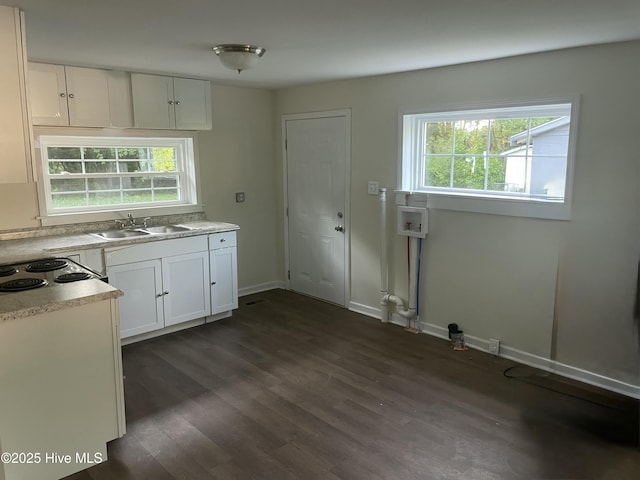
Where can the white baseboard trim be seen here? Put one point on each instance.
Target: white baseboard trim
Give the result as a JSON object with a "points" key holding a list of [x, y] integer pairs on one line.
{"points": [[511, 353], [542, 363], [365, 310], [261, 287]]}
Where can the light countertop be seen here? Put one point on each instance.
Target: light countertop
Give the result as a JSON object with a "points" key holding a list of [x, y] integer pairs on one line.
{"points": [[41, 300], [36, 248]]}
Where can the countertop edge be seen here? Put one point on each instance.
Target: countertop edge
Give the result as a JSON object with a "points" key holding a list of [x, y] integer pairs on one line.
{"points": [[95, 292], [22, 250]]}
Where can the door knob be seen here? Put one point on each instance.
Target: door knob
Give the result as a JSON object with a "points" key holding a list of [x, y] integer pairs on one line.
{"points": [[339, 228]]}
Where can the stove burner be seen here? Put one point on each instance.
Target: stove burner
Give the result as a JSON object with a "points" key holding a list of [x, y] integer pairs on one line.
{"points": [[72, 277], [20, 284], [7, 270], [46, 265]]}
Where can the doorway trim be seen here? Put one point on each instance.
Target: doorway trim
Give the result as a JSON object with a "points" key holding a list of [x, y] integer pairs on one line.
{"points": [[347, 193]]}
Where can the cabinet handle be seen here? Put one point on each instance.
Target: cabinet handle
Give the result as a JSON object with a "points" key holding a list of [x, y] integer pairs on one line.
{"points": [[222, 240], [213, 283], [62, 95], [177, 102], [71, 95], [158, 295], [165, 293], [170, 102]]}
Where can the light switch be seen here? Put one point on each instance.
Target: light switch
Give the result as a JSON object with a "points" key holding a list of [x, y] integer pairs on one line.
{"points": [[372, 188], [239, 197]]}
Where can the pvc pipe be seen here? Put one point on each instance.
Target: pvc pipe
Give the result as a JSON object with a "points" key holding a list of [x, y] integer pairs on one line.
{"points": [[386, 298], [384, 272], [413, 274]]}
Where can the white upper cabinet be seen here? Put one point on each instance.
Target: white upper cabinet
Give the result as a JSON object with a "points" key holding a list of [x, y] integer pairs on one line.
{"points": [[48, 94], [171, 103], [15, 145], [192, 104], [77, 96]]}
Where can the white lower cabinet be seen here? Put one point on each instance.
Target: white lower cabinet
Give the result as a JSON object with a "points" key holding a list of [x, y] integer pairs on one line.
{"points": [[224, 274], [167, 286], [170, 282], [141, 307], [185, 280]]}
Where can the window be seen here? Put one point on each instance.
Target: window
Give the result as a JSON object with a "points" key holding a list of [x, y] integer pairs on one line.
{"points": [[86, 174], [513, 160]]}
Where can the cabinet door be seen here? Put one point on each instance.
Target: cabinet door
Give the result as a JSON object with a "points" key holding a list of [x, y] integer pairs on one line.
{"points": [[87, 97], [141, 307], [14, 132], [152, 101], [186, 285], [192, 103], [48, 94], [224, 280]]}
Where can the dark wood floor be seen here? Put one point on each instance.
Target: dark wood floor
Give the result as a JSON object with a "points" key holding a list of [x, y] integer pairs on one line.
{"points": [[290, 387]]}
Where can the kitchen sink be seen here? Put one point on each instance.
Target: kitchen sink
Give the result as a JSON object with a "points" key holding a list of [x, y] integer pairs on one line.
{"points": [[110, 234], [167, 229]]}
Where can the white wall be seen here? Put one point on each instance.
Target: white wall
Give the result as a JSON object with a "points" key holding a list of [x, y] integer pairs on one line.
{"points": [[507, 277], [237, 156]]}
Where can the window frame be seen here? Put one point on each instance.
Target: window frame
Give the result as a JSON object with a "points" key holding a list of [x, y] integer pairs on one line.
{"points": [[410, 164], [183, 141]]}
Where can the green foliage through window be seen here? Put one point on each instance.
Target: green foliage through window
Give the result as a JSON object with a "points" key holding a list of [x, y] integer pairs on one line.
{"points": [[519, 151], [82, 176]]}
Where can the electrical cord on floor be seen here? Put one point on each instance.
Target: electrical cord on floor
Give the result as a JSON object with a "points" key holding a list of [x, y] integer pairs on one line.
{"points": [[524, 378]]}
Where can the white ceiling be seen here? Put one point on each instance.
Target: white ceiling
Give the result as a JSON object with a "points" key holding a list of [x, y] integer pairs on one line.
{"points": [[310, 41]]}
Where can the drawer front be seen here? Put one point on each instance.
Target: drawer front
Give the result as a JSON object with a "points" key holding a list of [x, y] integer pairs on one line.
{"points": [[222, 240], [152, 250]]}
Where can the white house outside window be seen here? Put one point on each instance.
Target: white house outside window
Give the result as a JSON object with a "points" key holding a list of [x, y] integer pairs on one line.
{"points": [[513, 160], [83, 174]]}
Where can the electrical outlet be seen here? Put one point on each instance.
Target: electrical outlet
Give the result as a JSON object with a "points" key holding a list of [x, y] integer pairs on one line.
{"points": [[494, 346], [372, 188]]}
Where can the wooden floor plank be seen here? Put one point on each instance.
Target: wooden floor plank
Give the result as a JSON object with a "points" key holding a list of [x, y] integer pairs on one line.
{"points": [[294, 388]]}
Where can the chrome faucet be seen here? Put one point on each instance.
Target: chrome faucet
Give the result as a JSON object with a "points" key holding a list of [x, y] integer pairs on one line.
{"points": [[131, 223]]}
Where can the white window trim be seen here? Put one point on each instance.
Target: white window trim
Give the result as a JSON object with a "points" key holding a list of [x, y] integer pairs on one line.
{"points": [[191, 185], [477, 201]]}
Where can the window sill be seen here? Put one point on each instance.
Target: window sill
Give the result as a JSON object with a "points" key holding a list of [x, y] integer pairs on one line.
{"points": [[98, 216], [487, 205]]}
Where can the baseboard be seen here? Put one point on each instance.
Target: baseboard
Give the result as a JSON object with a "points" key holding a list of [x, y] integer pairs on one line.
{"points": [[365, 310], [542, 363], [514, 354], [261, 287]]}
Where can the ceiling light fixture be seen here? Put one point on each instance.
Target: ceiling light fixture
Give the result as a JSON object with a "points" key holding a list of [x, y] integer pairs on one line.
{"points": [[238, 57]]}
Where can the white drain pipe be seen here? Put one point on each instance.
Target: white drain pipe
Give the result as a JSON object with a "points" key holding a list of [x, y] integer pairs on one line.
{"points": [[384, 269], [388, 298]]}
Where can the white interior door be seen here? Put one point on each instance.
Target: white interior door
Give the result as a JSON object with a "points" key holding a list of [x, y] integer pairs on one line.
{"points": [[317, 155]]}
